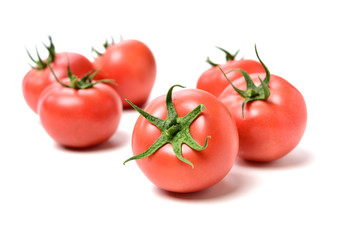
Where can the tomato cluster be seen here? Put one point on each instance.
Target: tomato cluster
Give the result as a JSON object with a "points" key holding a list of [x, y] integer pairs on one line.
{"points": [[270, 114], [80, 102], [238, 109], [184, 141]]}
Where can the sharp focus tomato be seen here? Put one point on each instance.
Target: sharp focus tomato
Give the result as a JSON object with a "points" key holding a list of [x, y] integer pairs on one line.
{"points": [[270, 128], [36, 80], [132, 65], [214, 82], [211, 164], [80, 117]]}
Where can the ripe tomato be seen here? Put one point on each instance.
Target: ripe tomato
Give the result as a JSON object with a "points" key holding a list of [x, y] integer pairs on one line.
{"points": [[132, 65], [269, 127], [188, 167], [39, 77], [214, 82], [77, 117]]}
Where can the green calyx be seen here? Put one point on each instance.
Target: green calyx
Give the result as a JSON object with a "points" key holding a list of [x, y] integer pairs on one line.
{"points": [[106, 44], [39, 63], [80, 83], [252, 92], [174, 130], [229, 57]]}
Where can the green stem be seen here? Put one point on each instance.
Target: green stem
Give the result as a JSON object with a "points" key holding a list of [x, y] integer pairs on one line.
{"points": [[174, 130], [83, 83], [229, 57], [252, 92], [56, 78], [40, 64], [106, 44]]}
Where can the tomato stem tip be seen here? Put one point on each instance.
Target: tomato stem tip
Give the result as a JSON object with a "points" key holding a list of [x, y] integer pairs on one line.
{"points": [[40, 64], [83, 83], [229, 57], [252, 92]]}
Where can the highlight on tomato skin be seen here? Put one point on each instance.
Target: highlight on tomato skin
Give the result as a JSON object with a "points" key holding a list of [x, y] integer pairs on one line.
{"points": [[213, 81], [270, 114], [194, 138], [132, 65]]}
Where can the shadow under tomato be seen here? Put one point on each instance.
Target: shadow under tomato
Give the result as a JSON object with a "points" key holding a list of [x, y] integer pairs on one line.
{"points": [[297, 158], [119, 139], [233, 185]]}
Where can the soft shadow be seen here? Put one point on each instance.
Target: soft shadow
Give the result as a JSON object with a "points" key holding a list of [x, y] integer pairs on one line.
{"points": [[233, 185], [297, 158], [119, 139]]}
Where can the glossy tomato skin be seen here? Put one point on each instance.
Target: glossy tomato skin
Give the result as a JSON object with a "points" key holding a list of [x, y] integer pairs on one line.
{"points": [[270, 128], [132, 65], [80, 118], [35, 81], [211, 165], [213, 81]]}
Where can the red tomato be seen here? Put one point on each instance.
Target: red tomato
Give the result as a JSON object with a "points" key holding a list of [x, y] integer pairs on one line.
{"points": [[270, 128], [80, 118], [36, 80], [164, 168], [214, 82], [132, 65]]}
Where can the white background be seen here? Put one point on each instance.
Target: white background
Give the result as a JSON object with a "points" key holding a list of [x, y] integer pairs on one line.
{"points": [[49, 192]]}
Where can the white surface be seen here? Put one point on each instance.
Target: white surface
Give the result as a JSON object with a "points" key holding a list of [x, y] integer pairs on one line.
{"points": [[48, 192]]}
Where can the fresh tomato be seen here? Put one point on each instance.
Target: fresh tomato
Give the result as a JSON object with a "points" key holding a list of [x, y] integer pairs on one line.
{"points": [[40, 76], [271, 118], [132, 65], [213, 81], [82, 114], [167, 136]]}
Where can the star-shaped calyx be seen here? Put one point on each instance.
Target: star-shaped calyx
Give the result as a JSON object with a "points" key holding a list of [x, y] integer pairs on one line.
{"points": [[174, 130], [252, 92]]}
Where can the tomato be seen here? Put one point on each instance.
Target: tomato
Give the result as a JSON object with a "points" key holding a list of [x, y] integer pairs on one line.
{"points": [[269, 127], [77, 117], [179, 163], [39, 77], [132, 65], [213, 81]]}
